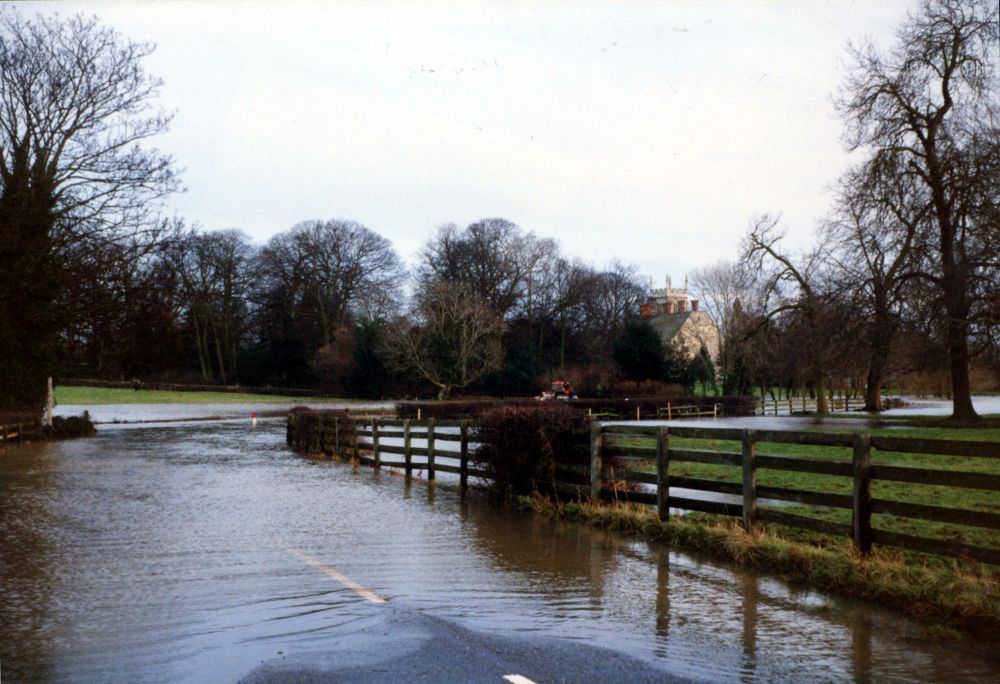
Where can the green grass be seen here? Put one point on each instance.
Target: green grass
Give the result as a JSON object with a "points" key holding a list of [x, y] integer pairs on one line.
{"points": [[951, 594], [110, 395], [951, 497]]}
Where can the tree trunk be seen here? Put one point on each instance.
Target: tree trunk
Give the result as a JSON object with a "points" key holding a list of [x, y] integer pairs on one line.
{"points": [[958, 357], [954, 286], [878, 361], [219, 355], [873, 390], [822, 407], [956, 305], [200, 348]]}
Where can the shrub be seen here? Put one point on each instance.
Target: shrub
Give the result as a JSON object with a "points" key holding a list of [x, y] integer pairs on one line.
{"points": [[455, 409], [306, 427], [70, 426], [520, 445]]}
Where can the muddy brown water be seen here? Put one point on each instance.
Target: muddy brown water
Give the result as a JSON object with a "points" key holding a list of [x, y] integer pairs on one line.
{"points": [[168, 552]]}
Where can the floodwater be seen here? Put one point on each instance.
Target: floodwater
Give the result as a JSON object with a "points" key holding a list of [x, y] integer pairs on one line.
{"points": [[199, 551], [915, 406], [983, 404], [156, 413]]}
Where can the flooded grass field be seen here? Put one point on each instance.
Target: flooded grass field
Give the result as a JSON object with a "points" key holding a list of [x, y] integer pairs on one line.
{"points": [[202, 551]]}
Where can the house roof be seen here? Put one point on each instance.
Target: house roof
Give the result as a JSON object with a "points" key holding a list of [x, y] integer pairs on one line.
{"points": [[668, 325]]}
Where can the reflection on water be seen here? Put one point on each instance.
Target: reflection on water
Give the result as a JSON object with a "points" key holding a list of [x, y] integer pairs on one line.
{"points": [[156, 554]]}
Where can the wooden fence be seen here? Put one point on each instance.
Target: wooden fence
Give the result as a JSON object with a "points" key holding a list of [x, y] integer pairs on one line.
{"points": [[618, 441], [19, 432], [441, 445], [669, 412], [618, 452], [777, 407]]}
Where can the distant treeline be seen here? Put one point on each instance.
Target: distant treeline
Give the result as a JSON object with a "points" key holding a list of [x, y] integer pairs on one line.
{"points": [[492, 310], [323, 306]]}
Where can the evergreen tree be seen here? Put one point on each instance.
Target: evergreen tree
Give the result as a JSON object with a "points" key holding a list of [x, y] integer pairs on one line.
{"points": [[638, 351]]}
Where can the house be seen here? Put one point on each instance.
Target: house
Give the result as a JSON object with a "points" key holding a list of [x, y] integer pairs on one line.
{"points": [[680, 321]]}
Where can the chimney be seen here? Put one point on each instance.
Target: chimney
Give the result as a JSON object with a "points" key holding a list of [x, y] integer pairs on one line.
{"points": [[645, 310], [694, 304], [681, 305], [668, 307]]}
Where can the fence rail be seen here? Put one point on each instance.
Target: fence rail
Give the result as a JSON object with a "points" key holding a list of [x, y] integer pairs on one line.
{"points": [[620, 456]]}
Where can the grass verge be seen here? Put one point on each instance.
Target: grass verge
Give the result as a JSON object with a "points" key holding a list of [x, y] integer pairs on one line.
{"points": [[115, 395], [953, 594]]}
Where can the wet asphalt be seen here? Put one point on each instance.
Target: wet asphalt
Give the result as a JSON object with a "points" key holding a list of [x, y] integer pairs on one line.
{"points": [[407, 646]]}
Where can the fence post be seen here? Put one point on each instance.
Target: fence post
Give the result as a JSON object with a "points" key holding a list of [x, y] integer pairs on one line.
{"points": [[336, 436], [861, 518], [715, 409], [320, 437], [407, 447], [50, 403], [430, 449], [595, 462], [357, 451], [375, 445], [464, 463], [637, 413], [669, 418], [749, 480], [663, 472]]}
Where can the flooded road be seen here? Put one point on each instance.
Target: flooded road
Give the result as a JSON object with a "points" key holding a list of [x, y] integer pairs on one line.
{"points": [[208, 552]]}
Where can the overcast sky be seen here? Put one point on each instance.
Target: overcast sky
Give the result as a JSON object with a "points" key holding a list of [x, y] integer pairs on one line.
{"points": [[650, 132]]}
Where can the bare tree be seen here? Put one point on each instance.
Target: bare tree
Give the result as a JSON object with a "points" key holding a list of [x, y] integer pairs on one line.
{"points": [[451, 340], [874, 231], [730, 295], [333, 269], [213, 269], [316, 280], [76, 109], [930, 103], [608, 300], [720, 287], [762, 255], [491, 257]]}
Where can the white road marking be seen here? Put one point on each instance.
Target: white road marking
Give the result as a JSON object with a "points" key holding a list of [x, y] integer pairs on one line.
{"points": [[517, 679], [361, 591]]}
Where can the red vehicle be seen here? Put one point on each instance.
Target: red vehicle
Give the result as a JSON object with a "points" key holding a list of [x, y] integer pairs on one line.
{"points": [[560, 390]]}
